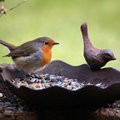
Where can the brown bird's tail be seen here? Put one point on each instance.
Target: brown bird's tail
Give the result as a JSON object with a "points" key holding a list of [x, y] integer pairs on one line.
{"points": [[84, 29], [8, 45]]}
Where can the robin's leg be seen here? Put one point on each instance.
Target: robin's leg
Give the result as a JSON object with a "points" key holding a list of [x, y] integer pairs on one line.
{"points": [[25, 74], [31, 74]]}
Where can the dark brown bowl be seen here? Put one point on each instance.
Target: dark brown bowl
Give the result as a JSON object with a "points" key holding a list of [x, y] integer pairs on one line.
{"points": [[90, 95]]}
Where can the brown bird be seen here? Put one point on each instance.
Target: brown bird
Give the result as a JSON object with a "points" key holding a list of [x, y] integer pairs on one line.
{"points": [[96, 58], [33, 55]]}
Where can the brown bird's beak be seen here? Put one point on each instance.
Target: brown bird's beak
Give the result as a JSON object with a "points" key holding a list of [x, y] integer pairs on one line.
{"points": [[55, 43], [113, 58]]}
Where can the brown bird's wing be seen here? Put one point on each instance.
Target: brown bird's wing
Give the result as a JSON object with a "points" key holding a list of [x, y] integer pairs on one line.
{"points": [[23, 50]]}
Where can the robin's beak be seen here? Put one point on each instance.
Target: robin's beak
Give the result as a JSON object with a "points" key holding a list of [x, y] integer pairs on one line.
{"points": [[55, 43]]}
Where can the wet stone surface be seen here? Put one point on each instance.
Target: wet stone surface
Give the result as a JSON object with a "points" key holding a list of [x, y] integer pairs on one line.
{"points": [[44, 81]]}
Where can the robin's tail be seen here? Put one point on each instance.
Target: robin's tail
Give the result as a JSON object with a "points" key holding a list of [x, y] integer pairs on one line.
{"points": [[8, 45]]}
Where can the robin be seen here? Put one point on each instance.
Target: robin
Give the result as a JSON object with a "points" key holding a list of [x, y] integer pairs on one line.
{"points": [[96, 58], [33, 55]]}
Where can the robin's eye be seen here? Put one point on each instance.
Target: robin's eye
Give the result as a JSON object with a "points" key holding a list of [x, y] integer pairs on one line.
{"points": [[46, 43]]}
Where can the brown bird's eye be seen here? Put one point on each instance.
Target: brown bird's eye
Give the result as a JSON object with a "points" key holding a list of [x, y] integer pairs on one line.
{"points": [[46, 43]]}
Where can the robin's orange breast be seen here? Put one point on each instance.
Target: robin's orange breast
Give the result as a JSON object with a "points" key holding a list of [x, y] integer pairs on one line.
{"points": [[46, 55]]}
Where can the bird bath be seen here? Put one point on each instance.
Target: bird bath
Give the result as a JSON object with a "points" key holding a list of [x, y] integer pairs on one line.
{"points": [[89, 95]]}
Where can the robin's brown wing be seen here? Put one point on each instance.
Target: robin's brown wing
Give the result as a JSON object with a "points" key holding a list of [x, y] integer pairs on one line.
{"points": [[23, 50]]}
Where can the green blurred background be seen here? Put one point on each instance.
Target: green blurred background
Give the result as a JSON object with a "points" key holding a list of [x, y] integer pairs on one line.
{"points": [[61, 20]]}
